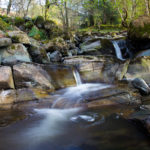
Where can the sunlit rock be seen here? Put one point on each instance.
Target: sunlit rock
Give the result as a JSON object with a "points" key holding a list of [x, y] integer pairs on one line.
{"points": [[14, 53], [19, 37], [30, 75], [6, 78]]}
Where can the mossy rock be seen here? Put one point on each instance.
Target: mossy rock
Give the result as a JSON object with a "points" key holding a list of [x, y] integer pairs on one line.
{"points": [[39, 21], [140, 28], [29, 25], [49, 25], [19, 21], [4, 26]]}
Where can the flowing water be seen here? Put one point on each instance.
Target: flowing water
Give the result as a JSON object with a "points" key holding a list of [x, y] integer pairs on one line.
{"points": [[118, 50], [69, 126]]}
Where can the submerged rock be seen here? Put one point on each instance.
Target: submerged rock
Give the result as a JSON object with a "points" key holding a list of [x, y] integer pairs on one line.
{"points": [[14, 53], [4, 42], [6, 78], [141, 85]]}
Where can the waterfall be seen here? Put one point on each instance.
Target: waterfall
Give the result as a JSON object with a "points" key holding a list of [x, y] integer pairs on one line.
{"points": [[117, 50], [77, 77]]}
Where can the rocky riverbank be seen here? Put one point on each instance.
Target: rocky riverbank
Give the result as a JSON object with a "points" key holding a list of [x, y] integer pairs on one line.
{"points": [[31, 71]]}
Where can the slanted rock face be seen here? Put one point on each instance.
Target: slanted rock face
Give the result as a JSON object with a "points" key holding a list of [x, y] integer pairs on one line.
{"points": [[6, 79], [92, 45], [14, 53], [5, 42], [61, 75], [30, 75], [19, 37]]}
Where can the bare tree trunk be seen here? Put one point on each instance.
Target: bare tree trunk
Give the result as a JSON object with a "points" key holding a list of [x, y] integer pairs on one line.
{"points": [[66, 17], [26, 12], [9, 7], [147, 7]]}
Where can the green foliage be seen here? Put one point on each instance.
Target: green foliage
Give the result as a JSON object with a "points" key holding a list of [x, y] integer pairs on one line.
{"points": [[37, 34], [19, 21], [7, 19], [3, 25], [29, 25]]}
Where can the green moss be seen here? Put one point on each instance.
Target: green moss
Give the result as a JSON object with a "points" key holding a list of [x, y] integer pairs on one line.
{"points": [[19, 21], [3, 25], [29, 25]]}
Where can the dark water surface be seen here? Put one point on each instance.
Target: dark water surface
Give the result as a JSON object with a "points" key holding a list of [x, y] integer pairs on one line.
{"points": [[74, 129]]}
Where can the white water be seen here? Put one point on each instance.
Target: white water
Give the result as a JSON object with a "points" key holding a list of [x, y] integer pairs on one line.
{"points": [[73, 96], [77, 77], [117, 50], [54, 120]]}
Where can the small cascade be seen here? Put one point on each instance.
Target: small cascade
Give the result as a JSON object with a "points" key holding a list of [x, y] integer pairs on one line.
{"points": [[118, 50], [77, 77]]}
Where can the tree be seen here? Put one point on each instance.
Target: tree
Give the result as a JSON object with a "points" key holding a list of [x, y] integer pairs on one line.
{"points": [[9, 6]]}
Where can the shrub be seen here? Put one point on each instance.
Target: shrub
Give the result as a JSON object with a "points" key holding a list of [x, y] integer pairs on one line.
{"points": [[37, 34], [19, 21]]}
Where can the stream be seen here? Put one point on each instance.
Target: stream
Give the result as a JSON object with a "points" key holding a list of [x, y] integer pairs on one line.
{"points": [[69, 126]]}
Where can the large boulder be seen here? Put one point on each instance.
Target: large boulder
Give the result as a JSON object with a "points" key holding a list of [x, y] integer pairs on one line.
{"points": [[5, 42], [19, 37], [14, 53], [6, 78], [38, 54], [139, 33], [31, 75]]}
